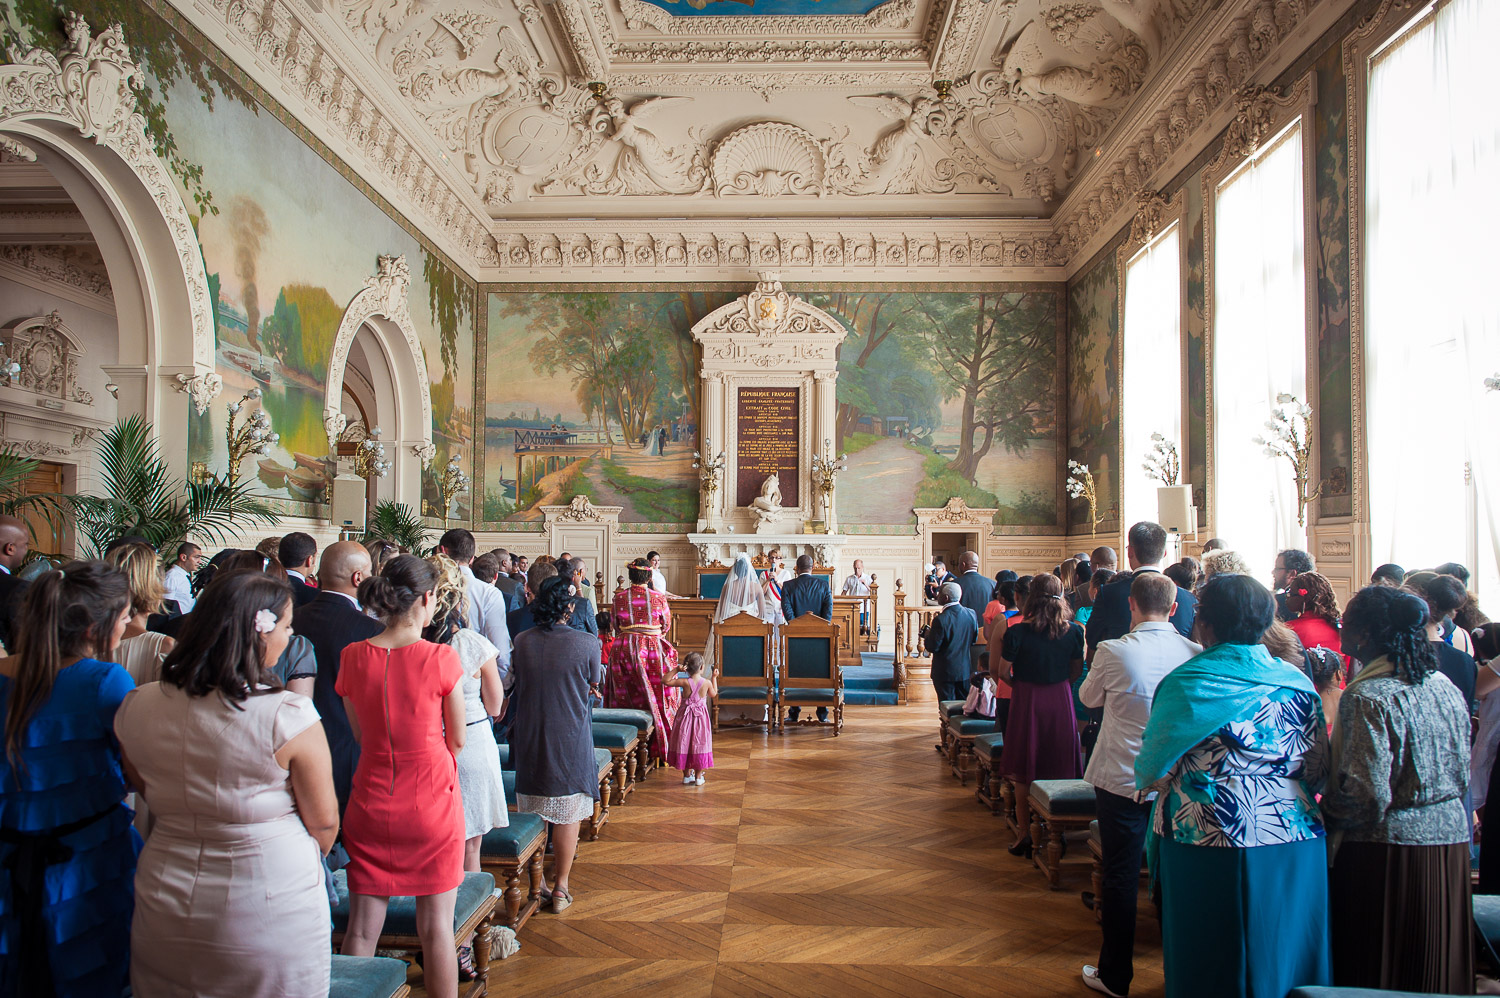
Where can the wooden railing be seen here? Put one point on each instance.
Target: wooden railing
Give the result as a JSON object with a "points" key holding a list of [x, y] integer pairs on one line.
{"points": [[913, 665]]}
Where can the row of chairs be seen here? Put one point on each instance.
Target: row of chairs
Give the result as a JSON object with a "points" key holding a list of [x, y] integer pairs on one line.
{"points": [[1059, 808], [508, 856], [747, 651]]}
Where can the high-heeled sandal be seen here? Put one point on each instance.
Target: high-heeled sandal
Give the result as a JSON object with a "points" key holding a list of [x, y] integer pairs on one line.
{"points": [[466, 971], [1022, 848]]}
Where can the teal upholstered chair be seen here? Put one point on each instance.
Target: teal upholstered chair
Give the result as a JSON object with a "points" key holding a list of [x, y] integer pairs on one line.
{"points": [[810, 673], [1058, 807], [472, 914], [711, 579], [742, 668], [508, 852], [987, 747], [643, 723], [946, 709], [623, 741], [604, 761], [961, 734], [367, 977]]}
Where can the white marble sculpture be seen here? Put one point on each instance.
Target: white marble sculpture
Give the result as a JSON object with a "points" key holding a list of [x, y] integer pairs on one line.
{"points": [[766, 507]]}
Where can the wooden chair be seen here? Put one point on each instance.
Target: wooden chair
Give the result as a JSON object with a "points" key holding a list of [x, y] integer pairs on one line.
{"points": [[623, 741], [367, 977], [596, 822], [509, 852], [472, 915], [742, 667], [946, 709], [643, 723], [961, 734], [1057, 808], [711, 579], [987, 750], [810, 673]]}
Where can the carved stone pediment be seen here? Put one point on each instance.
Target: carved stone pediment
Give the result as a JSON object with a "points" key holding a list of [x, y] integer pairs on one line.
{"points": [[955, 512], [47, 354]]}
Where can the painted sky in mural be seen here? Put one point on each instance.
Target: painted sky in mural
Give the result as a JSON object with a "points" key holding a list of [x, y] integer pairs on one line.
{"points": [[944, 394], [596, 394]]}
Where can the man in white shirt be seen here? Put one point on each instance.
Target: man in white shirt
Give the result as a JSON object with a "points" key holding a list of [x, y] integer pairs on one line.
{"points": [[180, 575], [858, 584], [486, 603], [1123, 680]]}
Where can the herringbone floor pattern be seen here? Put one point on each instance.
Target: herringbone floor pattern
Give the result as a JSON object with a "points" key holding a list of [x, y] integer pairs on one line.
{"points": [[814, 865]]}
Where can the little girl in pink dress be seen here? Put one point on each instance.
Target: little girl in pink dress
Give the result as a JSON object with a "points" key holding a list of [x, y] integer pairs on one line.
{"points": [[691, 748]]}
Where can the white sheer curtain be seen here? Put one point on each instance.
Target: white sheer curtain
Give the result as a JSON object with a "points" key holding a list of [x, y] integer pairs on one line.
{"points": [[1259, 344], [1151, 379], [1432, 314]]}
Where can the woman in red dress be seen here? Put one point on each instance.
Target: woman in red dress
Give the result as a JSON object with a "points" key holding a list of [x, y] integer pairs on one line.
{"points": [[404, 827], [1316, 612], [640, 658]]}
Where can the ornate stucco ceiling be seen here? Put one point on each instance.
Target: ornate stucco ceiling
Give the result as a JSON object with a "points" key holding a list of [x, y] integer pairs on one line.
{"points": [[714, 113], [549, 136]]}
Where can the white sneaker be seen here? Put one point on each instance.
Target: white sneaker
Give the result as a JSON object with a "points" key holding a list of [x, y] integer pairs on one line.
{"points": [[1091, 979], [701, 779]]}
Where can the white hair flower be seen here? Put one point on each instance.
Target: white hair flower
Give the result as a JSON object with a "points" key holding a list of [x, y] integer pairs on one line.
{"points": [[265, 621]]}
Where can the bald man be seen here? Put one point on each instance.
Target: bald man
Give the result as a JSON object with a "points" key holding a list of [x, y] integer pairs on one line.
{"points": [[332, 622], [15, 541]]}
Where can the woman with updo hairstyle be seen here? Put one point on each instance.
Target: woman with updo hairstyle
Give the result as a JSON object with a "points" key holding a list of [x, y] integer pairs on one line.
{"points": [[404, 826], [1395, 807], [381, 551], [141, 651], [1039, 658], [238, 778], [641, 657], [1236, 750], [66, 846], [552, 740]]}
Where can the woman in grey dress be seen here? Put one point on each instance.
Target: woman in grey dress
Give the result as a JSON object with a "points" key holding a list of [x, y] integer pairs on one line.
{"points": [[553, 739]]}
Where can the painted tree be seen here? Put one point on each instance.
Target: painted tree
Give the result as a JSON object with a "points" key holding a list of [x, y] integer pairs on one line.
{"points": [[881, 360], [996, 351]]}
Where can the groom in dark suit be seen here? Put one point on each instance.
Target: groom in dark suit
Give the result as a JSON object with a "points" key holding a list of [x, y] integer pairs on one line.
{"points": [[807, 593], [978, 590]]}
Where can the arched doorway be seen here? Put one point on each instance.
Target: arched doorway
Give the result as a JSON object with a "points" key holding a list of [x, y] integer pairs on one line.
{"points": [[377, 345], [77, 115]]}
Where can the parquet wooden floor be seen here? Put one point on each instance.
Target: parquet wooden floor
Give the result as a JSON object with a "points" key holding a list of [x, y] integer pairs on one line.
{"points": [[814, 865]]}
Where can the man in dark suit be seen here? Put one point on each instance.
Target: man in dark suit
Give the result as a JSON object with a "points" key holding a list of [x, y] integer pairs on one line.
{"points": [[15, 541], [949, 639], [978, 591], [332, 622], [1145, 547], [806, 593], [520, 620], [296, 554], [507, 582]]}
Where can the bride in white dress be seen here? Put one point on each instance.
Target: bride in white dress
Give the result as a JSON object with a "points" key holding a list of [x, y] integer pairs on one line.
{"points": [[742, 593]]}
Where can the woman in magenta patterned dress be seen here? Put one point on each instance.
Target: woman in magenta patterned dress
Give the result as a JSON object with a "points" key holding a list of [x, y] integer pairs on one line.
{"points": [[641, 658]]}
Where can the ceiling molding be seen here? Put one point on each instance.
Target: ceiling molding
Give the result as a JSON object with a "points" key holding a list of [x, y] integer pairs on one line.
{"points": [[1183, 111]]}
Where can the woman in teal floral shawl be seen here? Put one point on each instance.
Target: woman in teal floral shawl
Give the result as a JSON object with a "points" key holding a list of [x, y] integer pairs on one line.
{"points": [[1236, 749]]}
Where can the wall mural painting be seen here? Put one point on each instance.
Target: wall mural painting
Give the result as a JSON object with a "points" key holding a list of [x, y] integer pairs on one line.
{"points": [[593, 393], [1194, 324], [1331, 183], [287, 241], [1093, 388], [948, 393]]}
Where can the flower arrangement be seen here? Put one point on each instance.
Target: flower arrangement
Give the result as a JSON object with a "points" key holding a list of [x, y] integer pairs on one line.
{"points": [[1081, 486], [1290, 437], [1162, 461]]}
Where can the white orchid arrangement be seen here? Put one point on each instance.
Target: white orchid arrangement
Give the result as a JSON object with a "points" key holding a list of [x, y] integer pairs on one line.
{"points": [[1162, 460], [1290, 436], [1081, 486]]}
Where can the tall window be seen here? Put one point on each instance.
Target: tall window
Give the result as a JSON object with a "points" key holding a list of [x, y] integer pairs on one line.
{"points": [[1151, 375], [1259, 346], [1432, 318]]}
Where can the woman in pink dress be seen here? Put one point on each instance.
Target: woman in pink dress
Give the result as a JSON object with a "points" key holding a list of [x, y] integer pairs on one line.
{"points": [[641, 658]]}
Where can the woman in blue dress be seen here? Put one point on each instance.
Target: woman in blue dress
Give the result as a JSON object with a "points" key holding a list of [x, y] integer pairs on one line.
{"points": [[1236, 748], [67, 848]]}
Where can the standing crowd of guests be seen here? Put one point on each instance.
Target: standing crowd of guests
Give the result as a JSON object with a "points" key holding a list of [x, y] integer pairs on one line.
{"points": [[193, 749], [1304, 770]]}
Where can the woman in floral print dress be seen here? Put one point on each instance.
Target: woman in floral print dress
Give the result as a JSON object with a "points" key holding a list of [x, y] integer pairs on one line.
{"points": [[1236, 749]]}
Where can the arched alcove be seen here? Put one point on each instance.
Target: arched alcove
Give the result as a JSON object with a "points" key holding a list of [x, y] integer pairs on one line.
{"points": [[78, 116], [376, 331]]}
